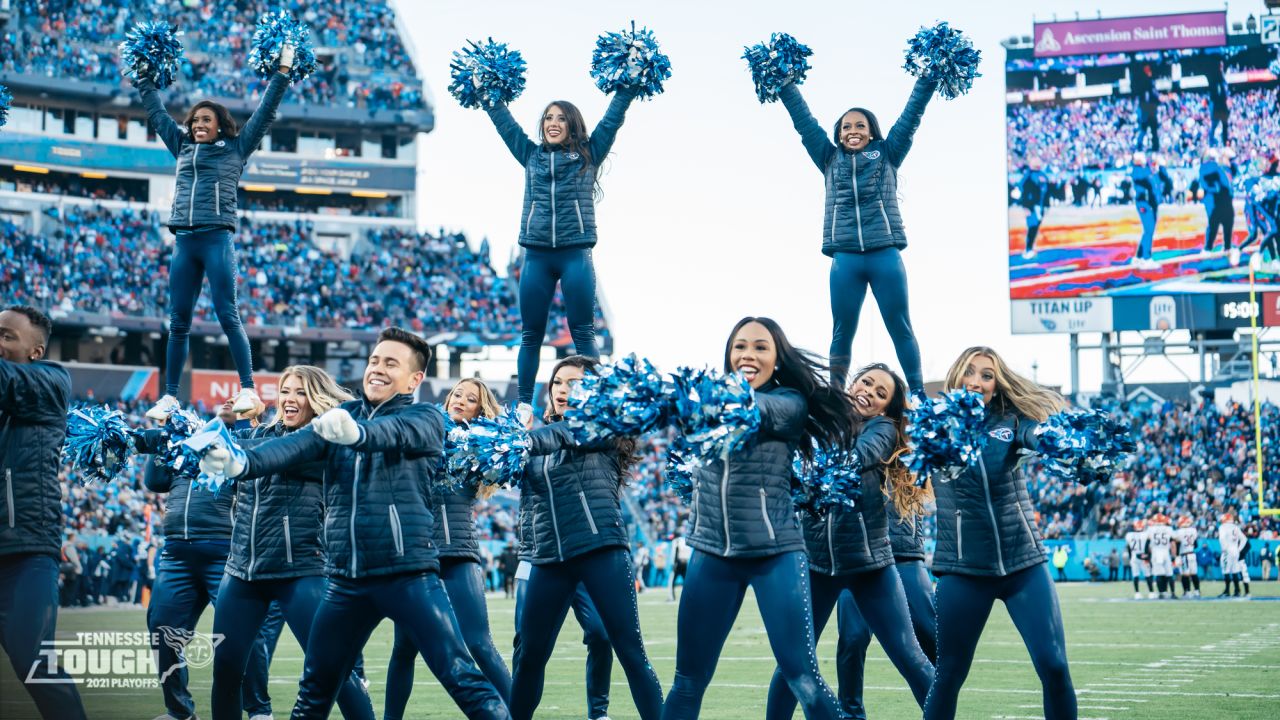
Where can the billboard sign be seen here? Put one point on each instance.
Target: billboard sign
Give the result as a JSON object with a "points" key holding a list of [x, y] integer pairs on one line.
{"points": [[1067, 315], [1130, 34]]}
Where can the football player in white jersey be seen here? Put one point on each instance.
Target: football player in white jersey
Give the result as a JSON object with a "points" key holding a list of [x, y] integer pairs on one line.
{"points": [[1232, 541], [1160, 552], [1136, 542], [1187, 538]]}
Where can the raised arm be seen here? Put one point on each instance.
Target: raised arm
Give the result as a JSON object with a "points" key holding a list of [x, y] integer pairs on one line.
{"points": [[509, 130], [876, 442], [782, 413], [552, 438], [37, 391], [170, 132], [816, 142], [898, 142], [256, 129], [607, 129]]}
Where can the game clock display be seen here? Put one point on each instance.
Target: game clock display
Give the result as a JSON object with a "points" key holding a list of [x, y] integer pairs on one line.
{"points": [[1237, 310]]}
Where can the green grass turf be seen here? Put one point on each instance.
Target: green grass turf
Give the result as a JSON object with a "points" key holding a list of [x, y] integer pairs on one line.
{"points": [[1148, 659]]}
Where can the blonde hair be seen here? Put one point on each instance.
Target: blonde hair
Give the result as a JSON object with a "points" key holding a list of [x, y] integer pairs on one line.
{"points": [[489, 408], [322, 391], [1013, 392]]}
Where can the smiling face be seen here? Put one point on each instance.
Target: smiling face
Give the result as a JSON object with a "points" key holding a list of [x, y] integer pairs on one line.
{"points": [[563, 381], [20, 341], [871, 392], [753, 354], [855, 131], [980, 377], [295, 406], [555, 125], [390, 372], [204, 125], [463, 403]]}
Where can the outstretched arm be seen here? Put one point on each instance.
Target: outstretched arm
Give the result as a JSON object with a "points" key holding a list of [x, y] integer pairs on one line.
{"points": [[898, 142], [36, 391], [816, 142], [284, 454], [552, 438], [607, 129], [782, 413], [509, 130], [418, 430], [260, 122], [876, 442], [170, 132]]}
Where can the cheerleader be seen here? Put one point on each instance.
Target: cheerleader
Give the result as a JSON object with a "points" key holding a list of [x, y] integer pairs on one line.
{"points": [[455, 536], [211, 152], [276, 548], [745, 532], [851, 550], [862, 229], [1147, 191], [578, 537], [987, 548], [558, 224]]}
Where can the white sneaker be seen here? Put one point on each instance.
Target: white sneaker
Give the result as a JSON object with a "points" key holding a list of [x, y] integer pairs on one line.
{"points": [[1234, 255], [246, 400], [1151, 596], [1029, 254], [165, 407], [261, 717], [1137, 596]]}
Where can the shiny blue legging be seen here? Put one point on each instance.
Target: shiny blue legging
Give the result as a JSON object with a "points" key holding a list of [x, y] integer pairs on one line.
{"points": [[210, 252], [883, 271], [712, 597], [884, 607], [1147, 215], [594, 636], [542, 269], [964, 604], [465, 586], [240, 611], [607, 576]]}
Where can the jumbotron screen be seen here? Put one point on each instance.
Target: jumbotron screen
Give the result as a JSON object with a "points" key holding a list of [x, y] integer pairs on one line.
{"points": [[1135, 149]]}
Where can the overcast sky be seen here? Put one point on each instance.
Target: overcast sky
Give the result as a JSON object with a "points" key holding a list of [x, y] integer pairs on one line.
{"points": [[711, 208]]}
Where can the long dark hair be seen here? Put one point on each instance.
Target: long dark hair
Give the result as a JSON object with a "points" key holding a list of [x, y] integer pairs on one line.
{"points": [[579, 139], [227, 128], [627, 456], [830, 421], [907, 498], [872, 122]]}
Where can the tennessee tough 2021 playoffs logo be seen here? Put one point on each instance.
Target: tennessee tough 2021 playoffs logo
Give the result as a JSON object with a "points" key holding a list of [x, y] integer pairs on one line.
{"points": [[121, 659]]}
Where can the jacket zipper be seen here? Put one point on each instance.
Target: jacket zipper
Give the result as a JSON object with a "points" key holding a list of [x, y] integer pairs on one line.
{"points": [[959, 538], [186, 515], [724, 500], [553, 214], [288, 542], [195, 178], [697, 512], [866, 539], [995, 528], [395, 529], [764, 513], [587, 509], [355, 489], [217, 199], [551, 494], [835, 219], [857, 207], [887, 227], [534, 534], [577, 207], [831, 544], [529, 220], [8, 494], [444, 519], [253, 530]]}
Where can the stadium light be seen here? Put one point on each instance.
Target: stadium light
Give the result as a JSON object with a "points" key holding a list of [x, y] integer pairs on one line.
{"points": [[313, 191], [93, 175], [31, 169], [368, 194], [259, 188]]}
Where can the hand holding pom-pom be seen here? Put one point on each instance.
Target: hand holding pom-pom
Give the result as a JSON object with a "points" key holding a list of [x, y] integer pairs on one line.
{"points": [[630, 60], [338, 427], [946, 435], [831, 478], [485, 76], [287, 54], [151, 52], [488, 451], [628, 397], [222, 459], [946, 56], [1083, 445], [282, 44], [716, 413], [99, 442], [777, 63]]}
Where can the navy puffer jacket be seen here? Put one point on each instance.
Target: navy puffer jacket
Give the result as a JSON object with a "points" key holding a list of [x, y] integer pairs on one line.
{"points": [[853, 541], [572, 496], [743, 508], [559, 205], [907, 537], [985, 515], [455, 526], [191, 512], [379, 520], [208, 178], [33, 426], [861, 187]]}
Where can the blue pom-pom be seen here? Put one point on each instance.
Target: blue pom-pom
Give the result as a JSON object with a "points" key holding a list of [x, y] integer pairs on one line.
{"points": [[214, 434], [626, 398], [716, 413], [1084, 445], [274, 30], [5, 101], [946, 56], [180, 461], [946, 435], [832, 478], [630, 60], [775, 63], [485, 76], [1274, 67], [488, 451], [682, 463], [152, 51], [99, 442]]}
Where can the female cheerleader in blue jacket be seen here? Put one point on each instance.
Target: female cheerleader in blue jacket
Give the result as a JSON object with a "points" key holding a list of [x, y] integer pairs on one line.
{"points": [[558, 223], [211, 153], [988, 549], [862, 229], [851, 550], [575, 502], [745, 532], [455, 537]]}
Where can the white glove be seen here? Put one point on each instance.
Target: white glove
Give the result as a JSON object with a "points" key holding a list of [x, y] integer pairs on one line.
{"points": [[337, 426], [524, 414], [220, 461], [287, 54]]}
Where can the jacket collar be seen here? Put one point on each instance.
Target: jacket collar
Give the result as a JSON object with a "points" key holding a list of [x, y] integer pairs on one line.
{"points": [[391, 403]]}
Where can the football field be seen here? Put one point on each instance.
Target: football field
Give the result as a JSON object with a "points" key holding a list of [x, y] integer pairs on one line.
{"points": [[1129, 660]]}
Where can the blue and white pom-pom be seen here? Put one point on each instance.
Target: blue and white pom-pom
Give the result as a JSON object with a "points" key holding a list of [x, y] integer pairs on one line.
{"points": [[485, 76], [1274, 67], [716, 413], [682, 463], [99, 442], [1083, 445], [775, 63], [152, 51], [5, 101], [946, 435], [214, 434], [628, 397], [488, 451], [832, 478], [274, 30], [630, 60], [180, 461], [946, 56]]}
